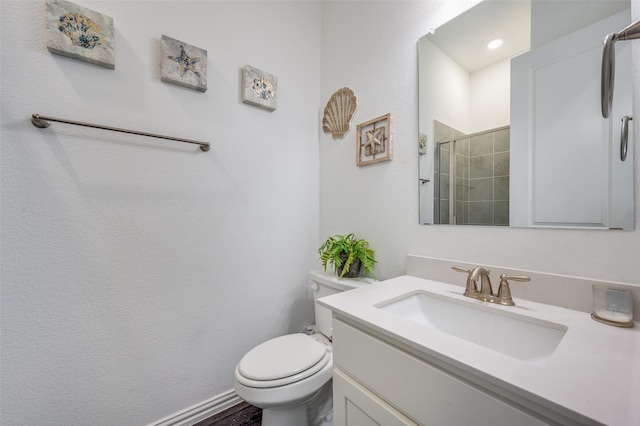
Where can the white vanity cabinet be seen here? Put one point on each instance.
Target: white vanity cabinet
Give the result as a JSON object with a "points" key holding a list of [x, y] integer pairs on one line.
{"points": [[376, 383], [419, 367], [354, 405]]}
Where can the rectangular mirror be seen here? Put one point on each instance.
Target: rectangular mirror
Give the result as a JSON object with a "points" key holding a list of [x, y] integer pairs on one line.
{"points": [[514, 136]]}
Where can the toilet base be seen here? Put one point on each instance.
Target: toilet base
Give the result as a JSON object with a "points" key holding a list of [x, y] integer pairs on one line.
{"points": [[285, 416], [320, 407], [314, 411]]}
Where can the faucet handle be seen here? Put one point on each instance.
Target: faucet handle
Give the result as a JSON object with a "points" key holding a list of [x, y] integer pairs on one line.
{"points": [[504, 292], [459, 269]]}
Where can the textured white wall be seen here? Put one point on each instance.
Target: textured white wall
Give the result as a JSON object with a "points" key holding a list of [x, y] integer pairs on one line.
{"points": [[136, 272], [379, 202]]}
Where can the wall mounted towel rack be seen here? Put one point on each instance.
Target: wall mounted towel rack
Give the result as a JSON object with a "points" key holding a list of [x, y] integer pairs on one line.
{"points": [[43, 122], [608, 74]]}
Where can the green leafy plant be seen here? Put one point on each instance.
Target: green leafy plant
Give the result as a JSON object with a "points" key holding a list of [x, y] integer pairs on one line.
{"points": [[346, 255]]}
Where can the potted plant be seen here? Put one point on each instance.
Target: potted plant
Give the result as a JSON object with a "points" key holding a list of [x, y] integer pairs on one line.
{"points": [[347, 255]]}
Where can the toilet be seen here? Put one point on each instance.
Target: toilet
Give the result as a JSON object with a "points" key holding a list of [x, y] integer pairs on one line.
{"points": [[290, 375]]}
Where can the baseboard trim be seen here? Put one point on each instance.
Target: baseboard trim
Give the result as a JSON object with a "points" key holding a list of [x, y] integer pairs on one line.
{"points": [[201, 411]]}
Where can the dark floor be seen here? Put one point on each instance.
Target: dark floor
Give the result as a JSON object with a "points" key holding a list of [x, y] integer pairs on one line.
{"points": [[242, 414]]}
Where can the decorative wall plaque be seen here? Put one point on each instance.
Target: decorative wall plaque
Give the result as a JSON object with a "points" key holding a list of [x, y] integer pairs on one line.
{"points": [[183, 64], [79, 33], [374, 141], [259, 88]]}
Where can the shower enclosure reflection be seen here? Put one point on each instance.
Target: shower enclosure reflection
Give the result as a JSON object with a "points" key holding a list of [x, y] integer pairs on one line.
{"points": [[471, 177]]}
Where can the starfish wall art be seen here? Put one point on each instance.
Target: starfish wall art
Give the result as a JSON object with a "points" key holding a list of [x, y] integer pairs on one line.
{"points": [[374, 141], [183, 64]]}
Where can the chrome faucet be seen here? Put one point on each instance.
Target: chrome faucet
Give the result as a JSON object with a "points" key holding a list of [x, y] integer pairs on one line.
{"points": [[474, 275], [486, 290], [503, 297]]}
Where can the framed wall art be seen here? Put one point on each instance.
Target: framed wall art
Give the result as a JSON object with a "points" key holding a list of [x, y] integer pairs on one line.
{"points": [[422, 144], [79, 33], [373, 142], [259, 88], [183, 64]]}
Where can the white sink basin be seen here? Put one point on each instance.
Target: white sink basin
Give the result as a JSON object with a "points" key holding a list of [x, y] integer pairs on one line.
{"points": [[518, 336]]}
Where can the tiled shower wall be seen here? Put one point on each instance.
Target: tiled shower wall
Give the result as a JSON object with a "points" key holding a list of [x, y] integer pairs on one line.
{"points": [[481, 179]]}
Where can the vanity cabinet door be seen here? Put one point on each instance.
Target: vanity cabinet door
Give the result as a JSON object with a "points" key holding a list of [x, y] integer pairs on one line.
{"points": [[355, 405], [420, 391]]}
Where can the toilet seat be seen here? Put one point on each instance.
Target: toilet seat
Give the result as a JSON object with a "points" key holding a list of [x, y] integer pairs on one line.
{"points": [[281, 361]]}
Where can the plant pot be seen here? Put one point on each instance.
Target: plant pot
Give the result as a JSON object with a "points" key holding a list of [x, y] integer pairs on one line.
{"points": [[354, 268]]}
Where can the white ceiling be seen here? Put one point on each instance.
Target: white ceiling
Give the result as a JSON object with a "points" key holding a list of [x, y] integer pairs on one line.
{"points": [[465, 37]]}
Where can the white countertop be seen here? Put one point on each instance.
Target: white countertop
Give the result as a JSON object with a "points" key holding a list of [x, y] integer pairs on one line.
{"points": [[594, 371]]}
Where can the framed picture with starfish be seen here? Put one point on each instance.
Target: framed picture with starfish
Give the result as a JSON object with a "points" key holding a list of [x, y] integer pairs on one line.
{"points": [[183, 64], [374, 141]]}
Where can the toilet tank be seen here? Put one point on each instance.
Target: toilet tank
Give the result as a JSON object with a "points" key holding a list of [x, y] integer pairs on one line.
{"points": [[325, 284]]}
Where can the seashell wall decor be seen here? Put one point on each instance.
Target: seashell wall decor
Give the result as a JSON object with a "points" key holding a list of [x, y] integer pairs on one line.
{"points": [[259, 88], [339, 112], [79, 33]]}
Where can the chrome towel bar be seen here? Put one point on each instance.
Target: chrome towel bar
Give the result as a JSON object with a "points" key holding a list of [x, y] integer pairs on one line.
{"points": [[608, 75], [43, 122], [624, 137]]}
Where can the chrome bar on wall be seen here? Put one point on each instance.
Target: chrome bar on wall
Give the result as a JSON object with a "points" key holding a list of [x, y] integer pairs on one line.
{"points": [[43, 122], [624, 136], [608, 74]]}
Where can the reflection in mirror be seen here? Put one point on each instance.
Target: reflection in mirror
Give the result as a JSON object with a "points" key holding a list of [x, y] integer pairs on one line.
{"points": [[471, 177], [514, 135]]}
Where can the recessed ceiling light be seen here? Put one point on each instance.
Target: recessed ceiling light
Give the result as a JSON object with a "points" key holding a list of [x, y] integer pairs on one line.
{"points": [[495, 43]]}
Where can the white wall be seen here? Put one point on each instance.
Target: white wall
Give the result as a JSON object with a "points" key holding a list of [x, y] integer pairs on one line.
{"points": [[444, 88], [379, 202], [490, 97], [444, 92], [136, 272], [469, 102]]}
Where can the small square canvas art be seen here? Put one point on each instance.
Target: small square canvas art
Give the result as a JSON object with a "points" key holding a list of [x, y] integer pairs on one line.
{"points": [[183, 64], [259, 88], [79, 33]]}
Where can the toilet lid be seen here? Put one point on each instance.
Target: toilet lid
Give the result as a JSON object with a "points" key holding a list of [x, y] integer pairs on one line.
{"points": [[281, 357]]}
